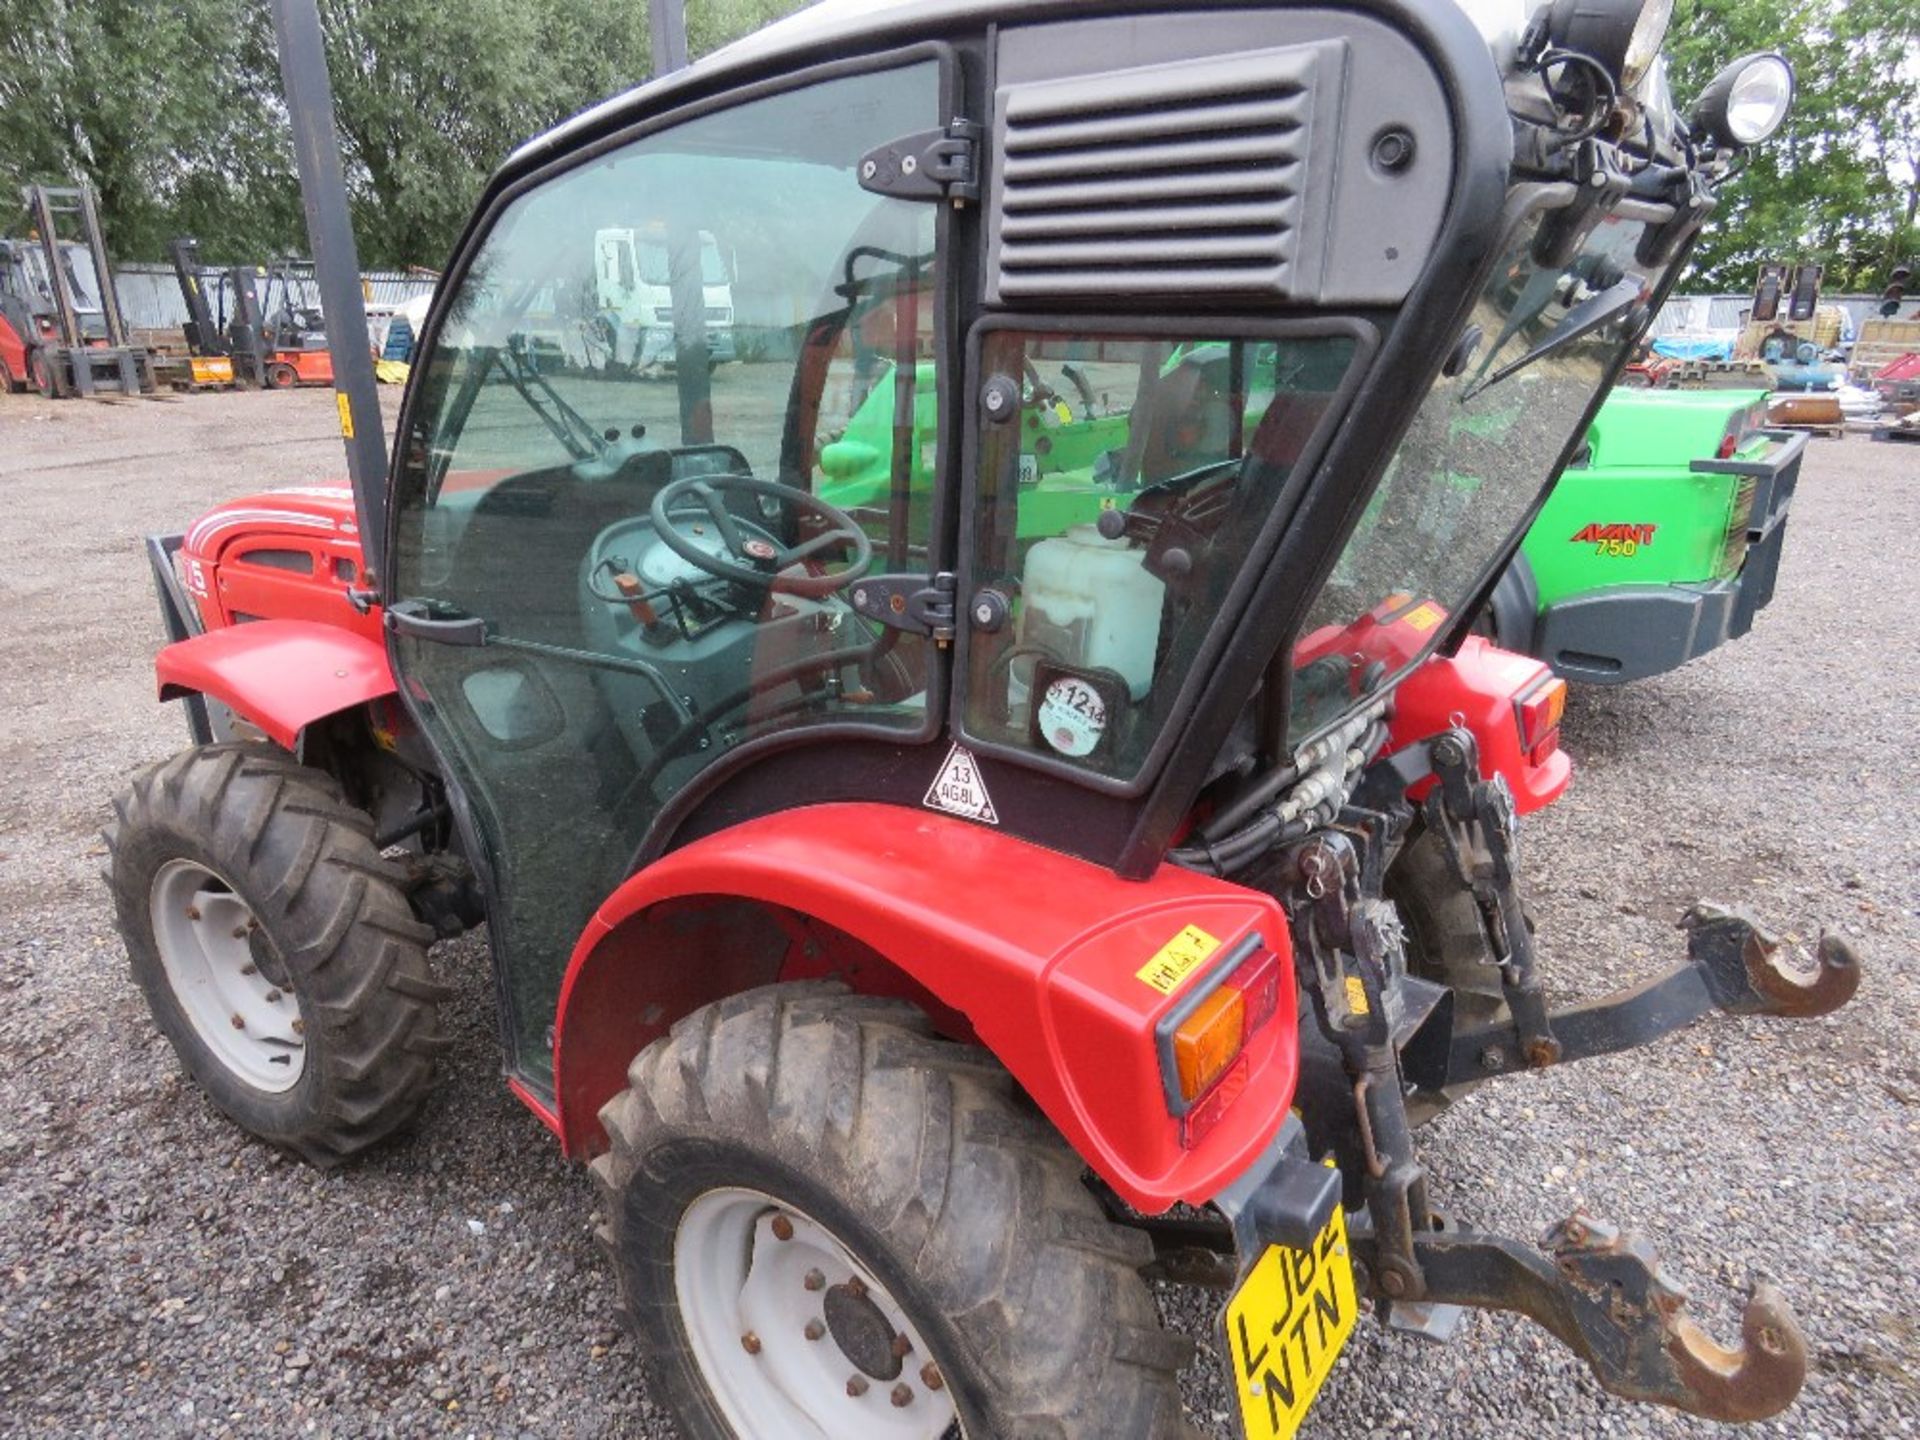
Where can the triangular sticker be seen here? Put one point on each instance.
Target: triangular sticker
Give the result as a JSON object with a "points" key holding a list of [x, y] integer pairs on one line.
{"points": [[959, 790]]}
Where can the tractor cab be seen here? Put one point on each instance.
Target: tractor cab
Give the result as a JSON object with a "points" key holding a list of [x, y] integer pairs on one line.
{"points": [[1079, 423], [1006, 757]]}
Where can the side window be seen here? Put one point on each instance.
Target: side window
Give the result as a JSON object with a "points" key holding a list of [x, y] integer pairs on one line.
{"points": [[1120, 490], [653, 449]]}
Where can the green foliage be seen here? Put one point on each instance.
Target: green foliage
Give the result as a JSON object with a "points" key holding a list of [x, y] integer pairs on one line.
{"points": [[1841, 183], [173, 113]]}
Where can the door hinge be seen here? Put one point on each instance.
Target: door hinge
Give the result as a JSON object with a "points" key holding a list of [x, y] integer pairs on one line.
{"points": [[918, 604], [939, 164]]}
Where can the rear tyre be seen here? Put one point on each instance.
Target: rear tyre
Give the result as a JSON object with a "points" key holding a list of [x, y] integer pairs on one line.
{"points": [[8, 382], [275, 948], [281, 376], [1446, 942], [827, 1222]]}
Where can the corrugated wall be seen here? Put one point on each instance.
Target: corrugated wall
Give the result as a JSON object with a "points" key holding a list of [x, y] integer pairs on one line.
{"points": [[150, 294]]}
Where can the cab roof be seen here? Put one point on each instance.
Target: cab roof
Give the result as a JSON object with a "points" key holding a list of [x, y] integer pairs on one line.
{"points": [[837, 29]]}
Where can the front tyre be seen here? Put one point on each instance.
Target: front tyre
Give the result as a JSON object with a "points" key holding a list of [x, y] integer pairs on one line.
{"points": [[828, 1223], [275, 948]]}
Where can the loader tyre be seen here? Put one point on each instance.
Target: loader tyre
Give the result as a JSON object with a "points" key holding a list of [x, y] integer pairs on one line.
{"points": [[827, 1222], [276, 948]]}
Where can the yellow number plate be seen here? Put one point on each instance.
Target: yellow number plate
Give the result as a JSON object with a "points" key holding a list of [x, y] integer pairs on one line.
{"points": [[1285, 1328]]}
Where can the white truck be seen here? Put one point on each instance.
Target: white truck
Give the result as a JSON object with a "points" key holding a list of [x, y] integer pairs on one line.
{"points": [[633, 275]]}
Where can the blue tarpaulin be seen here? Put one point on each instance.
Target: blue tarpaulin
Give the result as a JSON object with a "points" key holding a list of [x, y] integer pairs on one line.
{"points": [[1679, 347]]}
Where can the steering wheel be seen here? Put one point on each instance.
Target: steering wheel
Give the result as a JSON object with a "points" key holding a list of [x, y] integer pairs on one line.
{"points": [[756, 560]]}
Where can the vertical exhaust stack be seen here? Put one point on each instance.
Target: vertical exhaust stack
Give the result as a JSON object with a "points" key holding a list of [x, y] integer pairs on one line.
{"points": [[323, 194]]}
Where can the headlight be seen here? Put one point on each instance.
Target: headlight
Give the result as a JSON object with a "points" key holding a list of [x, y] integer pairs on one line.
{"points": [[1746, 102], [1623, 35]]}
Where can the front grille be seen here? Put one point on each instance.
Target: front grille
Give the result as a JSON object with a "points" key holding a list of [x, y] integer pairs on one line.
{"points": [[1186, 177], [1738, 519]]}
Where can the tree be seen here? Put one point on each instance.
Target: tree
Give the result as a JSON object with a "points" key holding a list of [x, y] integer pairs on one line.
{"points": [[1838, 184]]}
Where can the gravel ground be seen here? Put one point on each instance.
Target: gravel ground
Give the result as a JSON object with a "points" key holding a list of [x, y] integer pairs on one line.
{"points": [[162, 1275]]}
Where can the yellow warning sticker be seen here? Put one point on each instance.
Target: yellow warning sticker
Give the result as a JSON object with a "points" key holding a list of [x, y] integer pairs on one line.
{"points": [[1173, 965], [346, 414], [1425, 616], [1357, 996]]}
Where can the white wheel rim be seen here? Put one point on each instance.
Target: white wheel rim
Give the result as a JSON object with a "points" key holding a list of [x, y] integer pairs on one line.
{"points": [[754, 1278], [204, 932]]}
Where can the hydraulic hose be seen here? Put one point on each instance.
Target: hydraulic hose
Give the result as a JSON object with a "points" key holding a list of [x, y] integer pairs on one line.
{"points": [[1311, 793]]}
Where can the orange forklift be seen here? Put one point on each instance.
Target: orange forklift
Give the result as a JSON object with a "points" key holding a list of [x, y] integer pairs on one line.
{"points": [[263, 322]]}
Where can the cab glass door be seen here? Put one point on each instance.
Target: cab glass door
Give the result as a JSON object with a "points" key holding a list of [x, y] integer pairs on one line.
{"points": [[666, 424]]}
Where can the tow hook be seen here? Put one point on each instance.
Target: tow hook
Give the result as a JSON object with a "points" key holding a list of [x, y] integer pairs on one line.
{"points": [[1739, 960], [1733, 964], [1607, 1297]]}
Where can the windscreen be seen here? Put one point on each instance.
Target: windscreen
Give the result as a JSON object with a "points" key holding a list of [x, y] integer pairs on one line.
{"points": [[1539, 344]]}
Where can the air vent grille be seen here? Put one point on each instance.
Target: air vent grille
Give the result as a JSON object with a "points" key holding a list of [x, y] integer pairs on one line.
{"points": [[1179, 178]]}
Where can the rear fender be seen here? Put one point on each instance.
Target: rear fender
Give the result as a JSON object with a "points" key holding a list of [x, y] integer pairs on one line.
{"points": [[1477, 688], [278, 675], [1035, 954]]}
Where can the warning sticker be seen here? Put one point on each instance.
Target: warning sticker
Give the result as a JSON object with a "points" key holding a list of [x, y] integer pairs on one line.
{"points": [[959, 790], [1175, 962], [346, 414], [1425, 616]]}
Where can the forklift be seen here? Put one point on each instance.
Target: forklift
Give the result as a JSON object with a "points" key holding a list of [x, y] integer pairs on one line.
{"points": [[261, 327], [60, 325]]}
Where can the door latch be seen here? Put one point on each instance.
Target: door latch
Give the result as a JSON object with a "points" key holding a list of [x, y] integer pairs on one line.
{"points": [[437, 621]]}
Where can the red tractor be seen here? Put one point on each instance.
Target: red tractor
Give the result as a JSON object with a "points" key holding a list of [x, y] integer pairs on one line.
{"points": [[903, 908]]}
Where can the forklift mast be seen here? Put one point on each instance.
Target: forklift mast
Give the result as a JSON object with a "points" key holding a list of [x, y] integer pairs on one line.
{"points": [[203, 334], [79, 366]]}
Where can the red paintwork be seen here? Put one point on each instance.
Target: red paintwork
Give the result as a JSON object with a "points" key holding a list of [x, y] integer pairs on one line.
{"points": [[13, 352], [1479, 686], [1394, 631], [317, 520], [1037, 950], [311, 367], [281, 675]]}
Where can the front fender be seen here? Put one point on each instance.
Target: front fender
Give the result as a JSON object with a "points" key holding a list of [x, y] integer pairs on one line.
{"points": [[280, 675], [1040, 954]]}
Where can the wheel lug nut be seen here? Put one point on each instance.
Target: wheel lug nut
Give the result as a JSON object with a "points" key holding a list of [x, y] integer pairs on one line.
{"points": [[238, 1023], [902, 1397], [273, 997], [902, 1347], [931, 1377], [299, 1027], [249, 969], [814, 1280], [239, 932], [750, 1342], [193, 912], [782, 1228], [814, 1330], [856, 1288], [857, 1386]]}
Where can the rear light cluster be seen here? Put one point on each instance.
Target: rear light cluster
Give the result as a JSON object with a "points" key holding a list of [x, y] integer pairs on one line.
{"points": [[1742, 425], [1203, 1039], [1537, 712]]}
